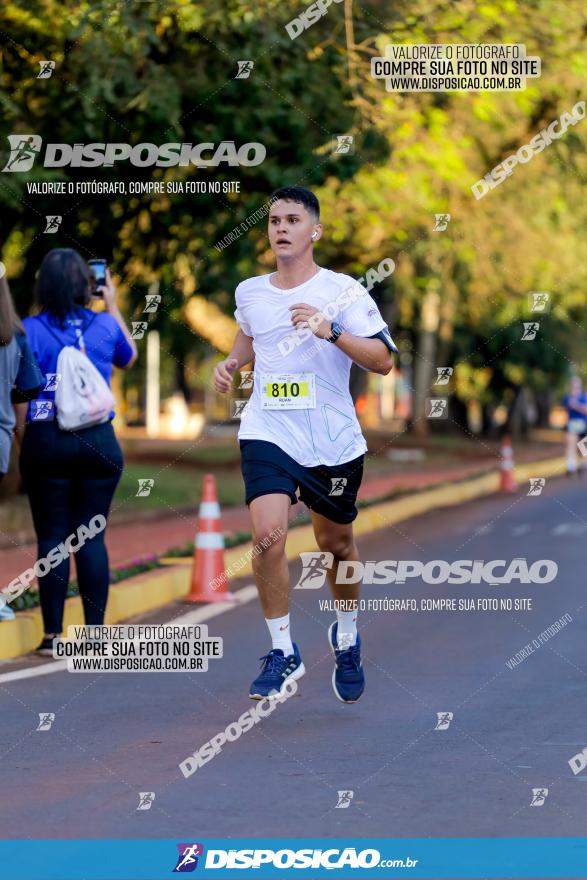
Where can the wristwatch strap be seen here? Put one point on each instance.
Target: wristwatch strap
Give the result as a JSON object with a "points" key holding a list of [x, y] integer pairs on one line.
{"points": [[335, 332]]}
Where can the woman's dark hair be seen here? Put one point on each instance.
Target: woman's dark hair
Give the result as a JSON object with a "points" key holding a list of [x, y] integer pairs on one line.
{"points": [[9, 320], [63, 284]]}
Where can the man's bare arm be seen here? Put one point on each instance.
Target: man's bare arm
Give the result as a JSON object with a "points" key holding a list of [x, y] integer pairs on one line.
{"points": [[371, 354], [240, 354], [242, 349], [20, 411]]}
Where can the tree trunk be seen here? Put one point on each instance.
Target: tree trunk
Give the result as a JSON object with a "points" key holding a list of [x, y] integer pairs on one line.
{"points": [[517, 418], [488, 428], [181, 381], [425, 362], [543, 407], [458, 412]]}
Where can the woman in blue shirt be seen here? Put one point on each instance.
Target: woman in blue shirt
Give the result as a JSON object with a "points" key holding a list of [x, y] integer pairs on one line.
{"points": [[575, 404], [70, 476]]}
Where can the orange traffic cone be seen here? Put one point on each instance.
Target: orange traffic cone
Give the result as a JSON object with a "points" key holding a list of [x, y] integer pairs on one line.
{"points": [[508, 482], [209, 580]]}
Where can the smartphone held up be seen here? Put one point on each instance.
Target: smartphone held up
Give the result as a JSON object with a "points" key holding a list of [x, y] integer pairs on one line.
{"points": [[98, 276]]}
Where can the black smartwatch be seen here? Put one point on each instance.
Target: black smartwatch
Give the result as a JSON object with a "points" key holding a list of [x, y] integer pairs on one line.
{"points": [[335, 331]]}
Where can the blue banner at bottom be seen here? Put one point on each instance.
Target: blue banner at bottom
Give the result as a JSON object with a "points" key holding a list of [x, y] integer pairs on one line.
{"points": [[273, 859]]}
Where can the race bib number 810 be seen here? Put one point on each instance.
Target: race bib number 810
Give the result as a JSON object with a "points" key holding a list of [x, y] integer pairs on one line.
{"points": [[288, 391]]}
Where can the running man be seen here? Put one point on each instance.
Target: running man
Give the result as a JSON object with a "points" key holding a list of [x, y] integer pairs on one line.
{"points": [[575, 404], [300, 429], [24, 150]]}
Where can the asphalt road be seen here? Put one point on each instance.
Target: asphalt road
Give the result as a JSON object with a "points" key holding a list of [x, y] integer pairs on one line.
{"points": [[512, 730]]}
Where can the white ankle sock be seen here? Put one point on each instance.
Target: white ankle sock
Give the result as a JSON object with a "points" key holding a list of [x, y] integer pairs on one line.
{"points": [[346, 634], [280, 634]]}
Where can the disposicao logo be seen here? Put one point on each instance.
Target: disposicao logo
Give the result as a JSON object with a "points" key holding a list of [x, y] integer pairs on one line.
{"points": [[24, 149], [187, 859]]}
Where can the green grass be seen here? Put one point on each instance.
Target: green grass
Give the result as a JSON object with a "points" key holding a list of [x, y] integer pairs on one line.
{"points": [[198, 454], [175, 487], [209, 456]]}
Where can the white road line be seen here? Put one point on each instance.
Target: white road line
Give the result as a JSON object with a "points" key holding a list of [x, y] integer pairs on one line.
{"points": [[198, 615], [46, 669], [569, 528]]}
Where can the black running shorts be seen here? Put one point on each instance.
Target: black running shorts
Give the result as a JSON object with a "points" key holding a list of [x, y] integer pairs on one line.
{"points": [[330, 490]]}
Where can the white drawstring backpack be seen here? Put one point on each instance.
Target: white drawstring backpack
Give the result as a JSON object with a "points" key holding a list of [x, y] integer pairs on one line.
{"points": [[82, 397]]}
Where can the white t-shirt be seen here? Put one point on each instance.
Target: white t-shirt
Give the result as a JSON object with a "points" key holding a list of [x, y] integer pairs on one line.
{"points": [[329, 433]]}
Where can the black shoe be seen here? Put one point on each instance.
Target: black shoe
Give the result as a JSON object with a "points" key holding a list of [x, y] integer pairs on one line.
{"points": [[45, 649]]}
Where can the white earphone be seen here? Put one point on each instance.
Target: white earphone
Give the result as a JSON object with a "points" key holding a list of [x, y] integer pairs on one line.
{"points": [[314, 234]]}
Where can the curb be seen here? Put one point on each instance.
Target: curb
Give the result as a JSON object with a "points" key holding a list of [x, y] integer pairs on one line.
{"points": [[148, 591], [141, 593]]}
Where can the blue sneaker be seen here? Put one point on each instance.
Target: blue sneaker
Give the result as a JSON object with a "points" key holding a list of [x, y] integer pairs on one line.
{"points": [[276, 670], [348, 678]]}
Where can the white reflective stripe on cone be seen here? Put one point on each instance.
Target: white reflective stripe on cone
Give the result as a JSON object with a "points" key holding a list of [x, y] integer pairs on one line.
{"points": [[210, 509], [210, 541]]}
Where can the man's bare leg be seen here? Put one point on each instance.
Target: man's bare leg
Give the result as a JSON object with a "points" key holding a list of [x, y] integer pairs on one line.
{"points": [[269, 515], [348, 679], [339, 540], [571, 453]]}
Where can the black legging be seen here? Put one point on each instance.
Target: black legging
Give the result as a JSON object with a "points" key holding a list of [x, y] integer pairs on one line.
{"points": [[70, 476]]}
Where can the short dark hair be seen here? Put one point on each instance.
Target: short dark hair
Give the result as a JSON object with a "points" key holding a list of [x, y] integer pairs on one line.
{"points": [[301, 196], [63, 284]]}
